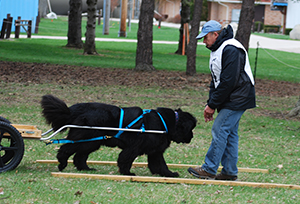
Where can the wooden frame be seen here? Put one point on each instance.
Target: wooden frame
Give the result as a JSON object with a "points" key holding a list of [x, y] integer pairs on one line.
{"points": [[173, 180], [28, 131], [144, 164]]}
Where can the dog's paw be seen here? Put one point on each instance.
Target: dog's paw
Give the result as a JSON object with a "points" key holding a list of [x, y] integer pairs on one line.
{"points": [[172, 174], [175, 174], [129, 174], [61, 167]]}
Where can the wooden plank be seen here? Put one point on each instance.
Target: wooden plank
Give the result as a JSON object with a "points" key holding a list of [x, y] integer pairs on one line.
{"points": [[28, 131], [174, 180], [143, 164]]}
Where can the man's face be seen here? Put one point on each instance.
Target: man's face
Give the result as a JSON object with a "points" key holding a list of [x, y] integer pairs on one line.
{"points": [[210, 39]]}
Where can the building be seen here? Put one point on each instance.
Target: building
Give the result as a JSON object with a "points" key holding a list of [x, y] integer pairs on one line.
{"points": [[269, 12], [27, 9], [169, 7], [227, 11], [293, 13]]}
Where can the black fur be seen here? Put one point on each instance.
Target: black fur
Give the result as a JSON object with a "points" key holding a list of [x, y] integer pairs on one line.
{"points": [[57, 114]]}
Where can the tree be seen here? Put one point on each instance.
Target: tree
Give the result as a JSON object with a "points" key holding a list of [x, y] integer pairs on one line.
{"points": [[144, 51], [192, 46], [245, 23], [185, 18], [43, 8], [90, 46], [74, 29]]}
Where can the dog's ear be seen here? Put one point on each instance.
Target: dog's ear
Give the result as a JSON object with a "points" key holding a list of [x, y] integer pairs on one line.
{"points": [[184, 128]]}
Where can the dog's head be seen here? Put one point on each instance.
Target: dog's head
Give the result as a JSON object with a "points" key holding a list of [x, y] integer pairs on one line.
{"points": [[184, 127]]}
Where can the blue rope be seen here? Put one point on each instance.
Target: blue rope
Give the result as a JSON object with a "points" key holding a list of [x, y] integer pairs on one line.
{"points": [[162, 120], [145, 111]]}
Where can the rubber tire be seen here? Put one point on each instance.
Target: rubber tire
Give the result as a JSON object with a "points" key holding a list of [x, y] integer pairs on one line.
{"points": [[4, 120], [12, 156]]}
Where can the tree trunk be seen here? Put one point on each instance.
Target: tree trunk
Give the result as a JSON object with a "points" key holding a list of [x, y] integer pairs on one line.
{"points": [[144, 51], [185, 18], [90, 46], [245, 23], [74, 29], [295, 111], [192, 46], [43, 8]]}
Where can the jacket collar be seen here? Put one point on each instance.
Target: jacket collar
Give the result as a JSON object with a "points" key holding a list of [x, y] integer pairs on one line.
{"points": [[226, 33]]}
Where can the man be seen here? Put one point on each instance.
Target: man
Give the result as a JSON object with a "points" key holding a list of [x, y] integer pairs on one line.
{"points": [[231, 93]]}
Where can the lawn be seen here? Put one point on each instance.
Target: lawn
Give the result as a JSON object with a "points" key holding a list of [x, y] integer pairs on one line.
{"points": [[122, 54], [266, 142], [59, 27]]}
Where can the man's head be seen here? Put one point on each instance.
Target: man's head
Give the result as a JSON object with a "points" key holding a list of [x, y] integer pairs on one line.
{"points": [[210, 32]]}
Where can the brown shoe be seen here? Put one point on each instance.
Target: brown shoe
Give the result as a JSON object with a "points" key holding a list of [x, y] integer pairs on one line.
{"points": [[221, 176], [200, 173]]}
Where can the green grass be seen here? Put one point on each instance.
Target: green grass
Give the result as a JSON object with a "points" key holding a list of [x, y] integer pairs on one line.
{"points": [[265, 143], [59, 27], [122, 54], [111, 54]]}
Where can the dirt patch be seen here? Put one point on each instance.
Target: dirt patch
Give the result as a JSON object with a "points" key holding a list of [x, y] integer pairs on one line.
{"points": [[38, 73]]}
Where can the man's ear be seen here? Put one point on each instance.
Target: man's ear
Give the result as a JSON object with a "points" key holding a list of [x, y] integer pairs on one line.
{"points": [[216, 34]]}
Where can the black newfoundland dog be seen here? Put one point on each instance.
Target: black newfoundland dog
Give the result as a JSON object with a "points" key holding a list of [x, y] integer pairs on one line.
{"points": [[177, 124]]}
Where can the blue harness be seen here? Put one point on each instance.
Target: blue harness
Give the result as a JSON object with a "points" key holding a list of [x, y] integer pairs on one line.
{"points": [[145, 111]]}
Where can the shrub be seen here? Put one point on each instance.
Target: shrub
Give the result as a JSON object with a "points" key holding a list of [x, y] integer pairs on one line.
{"points": [[287, 31], [258, 26], [271, 29]]}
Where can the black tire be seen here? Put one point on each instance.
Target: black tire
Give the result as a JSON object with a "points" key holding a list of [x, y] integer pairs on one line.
{"points": [[4, 120], [11, 147]]}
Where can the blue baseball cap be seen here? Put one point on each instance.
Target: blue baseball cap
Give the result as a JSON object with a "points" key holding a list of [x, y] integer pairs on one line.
{"points": [[210, 26]]}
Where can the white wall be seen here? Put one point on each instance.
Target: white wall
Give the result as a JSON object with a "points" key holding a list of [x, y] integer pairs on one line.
{"points": [[293, 13]]}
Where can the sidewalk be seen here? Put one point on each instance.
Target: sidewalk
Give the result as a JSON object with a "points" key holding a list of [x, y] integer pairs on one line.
{"points": [[275, 44]]}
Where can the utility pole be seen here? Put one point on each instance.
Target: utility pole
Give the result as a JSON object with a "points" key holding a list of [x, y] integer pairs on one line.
{"points": [[106, 15], [122, 32]]}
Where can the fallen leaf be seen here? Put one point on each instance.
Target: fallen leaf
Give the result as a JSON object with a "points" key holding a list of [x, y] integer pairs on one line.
{"points": [[78, 193]]}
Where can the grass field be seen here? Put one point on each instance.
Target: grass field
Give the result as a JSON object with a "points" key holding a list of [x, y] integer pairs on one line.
{"points": [[122, 54], [265, 142]]}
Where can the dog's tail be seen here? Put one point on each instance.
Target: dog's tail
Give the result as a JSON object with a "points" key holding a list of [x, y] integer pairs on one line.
{"points": [[55, 111]]}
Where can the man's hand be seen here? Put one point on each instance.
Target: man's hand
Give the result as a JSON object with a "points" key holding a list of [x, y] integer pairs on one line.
{"points": [[208, 114]]}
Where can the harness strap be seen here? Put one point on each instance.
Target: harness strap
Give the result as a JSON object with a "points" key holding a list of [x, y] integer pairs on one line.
{"points": [[176, 117], [65, 141], [162, 120], [145, 111], [120, 123]]}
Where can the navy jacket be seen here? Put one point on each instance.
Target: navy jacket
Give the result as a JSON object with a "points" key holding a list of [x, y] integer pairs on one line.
{"points": [[235, 90]]}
